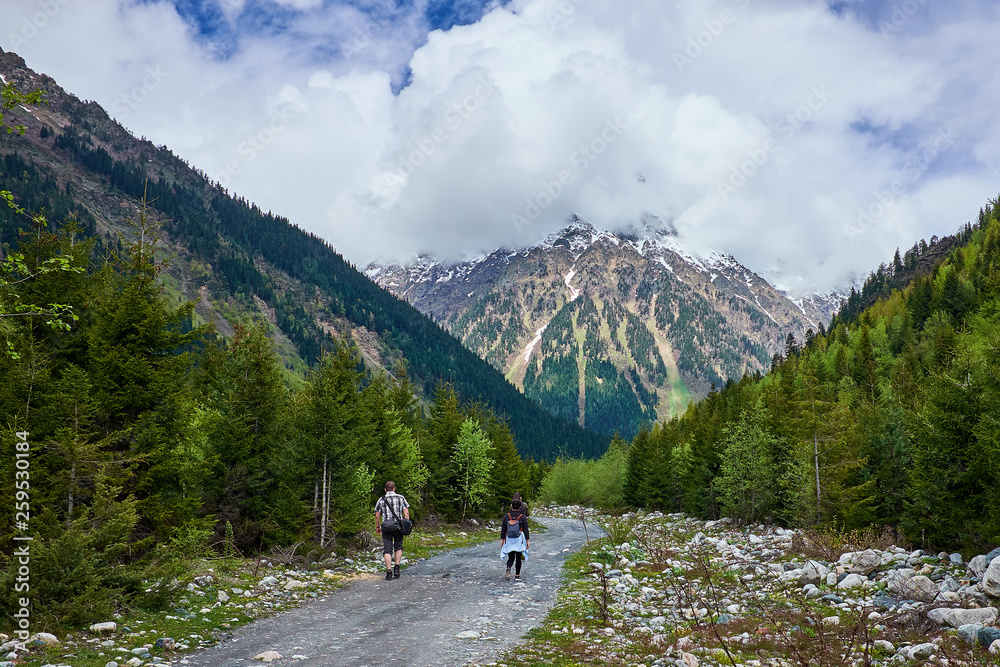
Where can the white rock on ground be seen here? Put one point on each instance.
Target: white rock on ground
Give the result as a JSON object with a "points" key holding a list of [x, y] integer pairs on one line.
{"points": [[956, 618], [268, 656], [100, 628], [977, 566], [991, 579], [865, 562], [852, 581]]}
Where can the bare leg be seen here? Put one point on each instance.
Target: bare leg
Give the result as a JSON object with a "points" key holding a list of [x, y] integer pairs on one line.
{"points": [[399, 556], [388, 560]]}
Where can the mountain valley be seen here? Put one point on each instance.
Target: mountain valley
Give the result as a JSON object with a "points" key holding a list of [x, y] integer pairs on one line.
{"points": [[612, 330]]}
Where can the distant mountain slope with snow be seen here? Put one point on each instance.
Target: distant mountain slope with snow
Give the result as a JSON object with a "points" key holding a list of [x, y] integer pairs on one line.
{"points": [[613, 330]]}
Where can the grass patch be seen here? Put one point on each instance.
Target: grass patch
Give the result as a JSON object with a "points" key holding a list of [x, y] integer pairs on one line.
{"points": [[572, 633]]}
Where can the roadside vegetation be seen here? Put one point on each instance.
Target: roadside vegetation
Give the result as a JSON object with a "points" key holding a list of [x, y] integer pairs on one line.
{"points": [[672, 591], [216, 595]]}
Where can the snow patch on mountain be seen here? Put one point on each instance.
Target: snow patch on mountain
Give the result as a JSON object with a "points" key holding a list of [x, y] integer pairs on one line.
{"points": [[574, 292], [533, 343]]}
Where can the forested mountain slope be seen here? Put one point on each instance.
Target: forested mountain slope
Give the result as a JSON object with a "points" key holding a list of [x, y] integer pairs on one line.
{"points": [[234, 259], [891, 417]]}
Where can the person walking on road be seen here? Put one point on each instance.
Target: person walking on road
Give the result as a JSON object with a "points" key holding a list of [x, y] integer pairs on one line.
{"points": [[388, 511], [524, 505], [514, 538]]}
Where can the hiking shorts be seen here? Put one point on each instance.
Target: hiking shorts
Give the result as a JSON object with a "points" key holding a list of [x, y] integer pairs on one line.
{"points": [[392, 542]]}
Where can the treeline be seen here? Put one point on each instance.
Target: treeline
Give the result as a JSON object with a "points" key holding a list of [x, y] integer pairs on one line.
{"points": [[228, 236], [152, 439], [890, 417]]}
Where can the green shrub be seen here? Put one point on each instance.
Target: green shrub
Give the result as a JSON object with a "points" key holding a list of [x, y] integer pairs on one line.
{"points": [[597, 483]]}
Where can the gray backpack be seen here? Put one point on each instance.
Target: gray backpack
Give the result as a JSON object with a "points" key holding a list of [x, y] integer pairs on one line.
{"points": [[513, 526]]}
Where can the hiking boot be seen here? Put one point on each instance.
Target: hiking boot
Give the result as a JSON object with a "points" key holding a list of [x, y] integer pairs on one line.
{"points": [[388, 574], [517, 577], [507, 576], [395, 571]]}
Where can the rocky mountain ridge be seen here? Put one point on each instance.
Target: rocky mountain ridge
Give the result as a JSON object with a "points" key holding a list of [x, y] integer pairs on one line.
{"points": [[613, 329]]}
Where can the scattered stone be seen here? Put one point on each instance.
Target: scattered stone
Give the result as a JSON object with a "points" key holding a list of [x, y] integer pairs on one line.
{"points": [[294, 584], [165, 643], [268, 581], [45, 637], [977, 565], [970, 632], [919, 588], [956, 559], [101, 628], [886, 646], [831, 620], [852, 581], [865, 562], [956, 618], [268, 656], [467, 634], [991, 555], [991, 578], [922, 651], [204, 580], [884, 602], [995, 647], [223, 597], [987, 636], [813, 573]]}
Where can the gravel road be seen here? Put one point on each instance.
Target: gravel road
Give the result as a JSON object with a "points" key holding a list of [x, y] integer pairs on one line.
{"points": [[433, 602]]}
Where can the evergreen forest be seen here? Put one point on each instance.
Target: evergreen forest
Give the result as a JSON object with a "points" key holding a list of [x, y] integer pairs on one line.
{"points": [[891, 416]]}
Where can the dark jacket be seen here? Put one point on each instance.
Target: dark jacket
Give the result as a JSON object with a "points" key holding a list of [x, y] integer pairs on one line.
{"points": [[521, 519]]}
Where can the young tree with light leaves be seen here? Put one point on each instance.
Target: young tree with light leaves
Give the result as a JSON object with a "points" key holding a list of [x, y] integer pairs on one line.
{"points": [[471, 461], [746, 480]]}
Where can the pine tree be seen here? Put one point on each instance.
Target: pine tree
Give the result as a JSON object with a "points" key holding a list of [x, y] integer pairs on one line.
{"points": [[337, 435], [243, 383], [947, 503], [138, 365]]}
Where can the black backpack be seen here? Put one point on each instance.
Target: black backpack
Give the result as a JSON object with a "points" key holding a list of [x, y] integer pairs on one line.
{"points": [[513, 526]]}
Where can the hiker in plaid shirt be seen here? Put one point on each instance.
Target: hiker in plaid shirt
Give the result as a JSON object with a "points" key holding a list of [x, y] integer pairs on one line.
{"points": [[392, 542]]}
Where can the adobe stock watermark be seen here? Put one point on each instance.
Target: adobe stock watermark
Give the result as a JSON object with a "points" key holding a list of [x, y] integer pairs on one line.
{"points": [[740, 175], [124, 104], [563, 13], [22, 549], [713, 29], [32, 25], [363, 37], [256, 143], [457, 115], [900, 16], [581, 159], [883, 200]]}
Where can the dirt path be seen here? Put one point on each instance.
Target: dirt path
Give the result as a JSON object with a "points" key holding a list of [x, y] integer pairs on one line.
{"points": [[435, 600]]}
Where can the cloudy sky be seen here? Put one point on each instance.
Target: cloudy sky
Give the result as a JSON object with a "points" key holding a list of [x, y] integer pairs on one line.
{"points": [[807, 138]]}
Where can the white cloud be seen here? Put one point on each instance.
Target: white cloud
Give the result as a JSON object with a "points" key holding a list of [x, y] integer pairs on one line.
{"points": [[767, 129]]}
